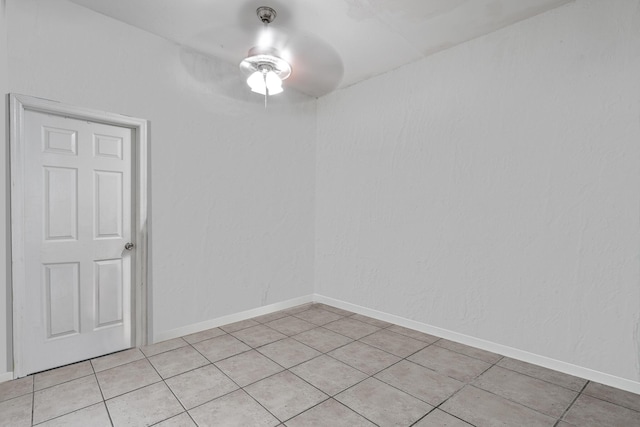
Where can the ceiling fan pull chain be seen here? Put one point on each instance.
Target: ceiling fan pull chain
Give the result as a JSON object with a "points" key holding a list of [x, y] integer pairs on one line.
{"points": [[266, 88]]}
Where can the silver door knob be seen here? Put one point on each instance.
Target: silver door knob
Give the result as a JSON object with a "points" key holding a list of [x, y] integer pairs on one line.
{"points": [[128, 246]]}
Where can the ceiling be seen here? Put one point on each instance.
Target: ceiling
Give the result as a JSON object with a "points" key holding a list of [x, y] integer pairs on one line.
{"points": [[330, 43]]}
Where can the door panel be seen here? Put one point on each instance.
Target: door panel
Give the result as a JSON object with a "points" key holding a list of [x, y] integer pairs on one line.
{"points": [[60, 203], [78, 217], [60, 141], [108, 204], [62, 304], [108, 292]]}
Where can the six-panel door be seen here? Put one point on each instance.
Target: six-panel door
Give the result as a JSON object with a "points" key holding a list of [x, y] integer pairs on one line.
{"points": [[78, 218]]}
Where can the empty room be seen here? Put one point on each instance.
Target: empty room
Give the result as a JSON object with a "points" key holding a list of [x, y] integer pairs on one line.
{"points": [[320, 213]]}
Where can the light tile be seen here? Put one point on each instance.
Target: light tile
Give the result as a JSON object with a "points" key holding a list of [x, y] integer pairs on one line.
{"points": [[371, 320], [94, 416], [203, 335], [16, 388], [247, 368], [60, 375], [177, 361], [144, 407], [288, 352], [65, 398], [237, 326], [363, 357], [221, 347], [394, 343], [285, 395], [588, 411], [420, 382], [613, 395], [125, 378], [438, 418], [329, 413], [290, 325], [481, 408], [483, 355], [16, 412], [549, 375], [236, 409], [351, 328], [383, 404], [199, 386], [182, 420], [318, 316], [322, 339], [447, 362], [257, 336], [421, 336], [536, 394], [161, 347], [328, 374], [116, 359]]}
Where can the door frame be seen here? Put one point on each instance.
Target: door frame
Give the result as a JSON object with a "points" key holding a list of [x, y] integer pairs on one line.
{"points": [[141, 315]]}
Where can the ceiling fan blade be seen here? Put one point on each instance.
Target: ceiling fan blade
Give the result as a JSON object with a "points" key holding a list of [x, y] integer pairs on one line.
{"points": [[317, 68]]}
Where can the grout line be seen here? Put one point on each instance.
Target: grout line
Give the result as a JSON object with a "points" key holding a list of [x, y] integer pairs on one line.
{"points": [[258, 402], [104, 402], [512, 401], [73, 412], [63, 382], [215, 398], [473, 357], [352, 410], [571, 404], [622, 405], [308, 409], [540, 379], [422, 417], [237, 385], [466, 384], [33, 398]]}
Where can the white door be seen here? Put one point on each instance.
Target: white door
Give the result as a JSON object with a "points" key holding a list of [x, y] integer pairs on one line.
{"points": [[77, 221]]}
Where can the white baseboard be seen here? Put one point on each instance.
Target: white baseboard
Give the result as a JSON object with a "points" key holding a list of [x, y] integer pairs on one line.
{"points": [[6, 376], [236, 317], [514, 353]]}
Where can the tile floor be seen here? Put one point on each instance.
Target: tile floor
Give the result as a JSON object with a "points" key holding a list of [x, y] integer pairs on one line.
{"points": [[312, 365]]}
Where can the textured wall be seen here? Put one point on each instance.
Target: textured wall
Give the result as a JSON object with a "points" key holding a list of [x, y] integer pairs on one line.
{"points": [[232, 192], [494, 189]]}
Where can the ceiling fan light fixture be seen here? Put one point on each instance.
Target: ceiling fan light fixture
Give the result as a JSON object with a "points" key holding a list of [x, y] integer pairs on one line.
{"points": [[264, 67], [260, 58], [265, 81]]}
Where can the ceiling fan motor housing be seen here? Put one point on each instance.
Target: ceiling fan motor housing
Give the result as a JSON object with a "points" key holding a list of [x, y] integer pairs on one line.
{"points": [[266, 14], [260, 58]]}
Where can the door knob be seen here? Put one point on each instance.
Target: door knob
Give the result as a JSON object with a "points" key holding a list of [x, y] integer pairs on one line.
{"points": [[128, 246]]}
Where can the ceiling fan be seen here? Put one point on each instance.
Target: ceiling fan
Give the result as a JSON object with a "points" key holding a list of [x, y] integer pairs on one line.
{"points": [[264, 66], [309, 64]]}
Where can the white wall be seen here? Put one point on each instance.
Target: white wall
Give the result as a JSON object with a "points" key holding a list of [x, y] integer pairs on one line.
{"points": [[5, 297], [494, 189], [232, 192]]}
